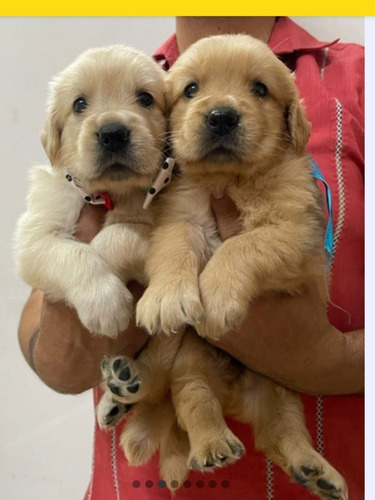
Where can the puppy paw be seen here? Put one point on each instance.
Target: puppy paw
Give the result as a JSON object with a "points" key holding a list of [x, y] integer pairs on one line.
{"points": [[169, 310], [122, 379], [217, 451], [106, 307], [223, 312], [109, 412], [219, 321], [317, 475]]}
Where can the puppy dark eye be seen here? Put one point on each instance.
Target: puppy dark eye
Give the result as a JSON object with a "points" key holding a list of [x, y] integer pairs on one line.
{"points": [[145, 99], [191, 90], [80, 105], [260, 89]]}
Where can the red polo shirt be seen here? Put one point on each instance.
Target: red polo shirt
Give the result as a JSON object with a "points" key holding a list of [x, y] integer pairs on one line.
{"points": [[330, 77]]}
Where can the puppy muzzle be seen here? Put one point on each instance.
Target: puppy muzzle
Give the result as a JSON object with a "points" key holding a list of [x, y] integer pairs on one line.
{"points": [[117, 158], [113, 138], [221, 132], [222, 121]]}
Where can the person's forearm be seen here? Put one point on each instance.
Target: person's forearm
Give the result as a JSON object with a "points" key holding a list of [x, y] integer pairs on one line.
{"points": [[28, 330], [319, 360], [63, 354]]}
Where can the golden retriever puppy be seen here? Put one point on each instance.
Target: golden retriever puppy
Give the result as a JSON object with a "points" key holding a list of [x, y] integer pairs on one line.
{"points": [[236, 125], [104, 136]]}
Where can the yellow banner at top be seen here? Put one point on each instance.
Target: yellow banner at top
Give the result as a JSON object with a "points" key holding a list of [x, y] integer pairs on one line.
{"points": [[186, 8]]}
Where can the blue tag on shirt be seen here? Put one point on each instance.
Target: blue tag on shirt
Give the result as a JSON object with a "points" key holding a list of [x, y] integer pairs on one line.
{"points": [[328, 239]]}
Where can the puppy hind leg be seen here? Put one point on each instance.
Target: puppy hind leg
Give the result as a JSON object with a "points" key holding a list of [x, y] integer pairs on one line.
{"points": [[280, 432], [199, 412], [144, 378], [173, 457], [109, 411], [144, 431], [153, 426], [198, 409]]}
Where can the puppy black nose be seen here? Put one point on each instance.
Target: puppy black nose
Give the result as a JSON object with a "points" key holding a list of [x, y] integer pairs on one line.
{"points": [[113, 137], [221, 121]]}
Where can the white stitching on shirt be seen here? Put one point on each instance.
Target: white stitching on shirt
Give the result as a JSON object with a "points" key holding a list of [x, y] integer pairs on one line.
{"points": [[340, 184], [269, 475], [341, 195], [91, 485], [340, 178], [92, 468], [319, 425], [114, 462]]}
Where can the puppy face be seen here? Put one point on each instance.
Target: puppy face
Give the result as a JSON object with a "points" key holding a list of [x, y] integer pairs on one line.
{"points": [[106, 120], [234, 106]]}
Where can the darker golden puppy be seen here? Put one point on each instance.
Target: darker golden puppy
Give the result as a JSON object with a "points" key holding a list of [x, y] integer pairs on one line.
{"points": [[236, 125]]}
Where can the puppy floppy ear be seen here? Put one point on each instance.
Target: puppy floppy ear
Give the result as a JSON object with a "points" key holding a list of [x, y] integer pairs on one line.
{"points": [[51, 135], [298, 127]]}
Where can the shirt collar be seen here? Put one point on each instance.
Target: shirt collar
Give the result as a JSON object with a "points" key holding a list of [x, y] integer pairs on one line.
{"points": [[287, 37], [167, 53]]}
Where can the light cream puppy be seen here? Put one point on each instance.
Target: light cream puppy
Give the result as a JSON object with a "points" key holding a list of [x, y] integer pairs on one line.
{"points": [[104, 136]]}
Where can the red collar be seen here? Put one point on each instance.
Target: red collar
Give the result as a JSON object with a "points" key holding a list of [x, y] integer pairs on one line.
{"points": [[287, 37], [98, 198]]}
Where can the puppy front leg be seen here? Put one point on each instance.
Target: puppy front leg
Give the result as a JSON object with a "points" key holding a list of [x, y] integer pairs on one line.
{"points": [[124, 248], [66, 269], [172, 300], [243, 267]]}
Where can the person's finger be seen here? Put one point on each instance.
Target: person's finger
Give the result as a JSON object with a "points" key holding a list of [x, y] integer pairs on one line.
{"points": [[90, 222], [227, 216]]}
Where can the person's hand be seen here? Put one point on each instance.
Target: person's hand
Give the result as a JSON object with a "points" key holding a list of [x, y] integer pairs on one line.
{"points": [[62, 352], [289, 338]]}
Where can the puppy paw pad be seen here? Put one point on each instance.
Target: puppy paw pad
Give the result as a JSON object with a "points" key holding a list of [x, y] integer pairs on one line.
{"points": [[121, 375], [314, 479]]}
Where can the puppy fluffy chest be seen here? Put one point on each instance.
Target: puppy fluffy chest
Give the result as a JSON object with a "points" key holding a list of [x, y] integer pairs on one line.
{"points": [[128, 210], [266, 199]]}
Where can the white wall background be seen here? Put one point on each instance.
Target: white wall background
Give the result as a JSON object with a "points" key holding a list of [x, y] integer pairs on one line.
{"points": [[45, 450]]}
